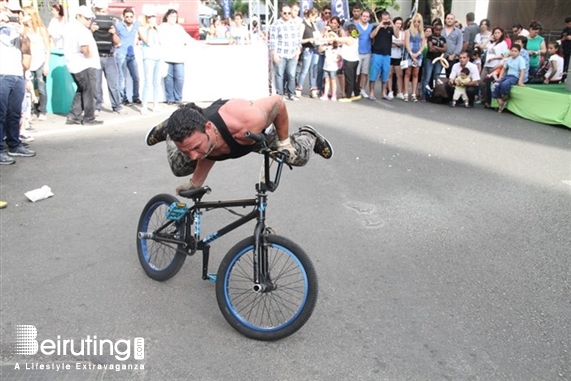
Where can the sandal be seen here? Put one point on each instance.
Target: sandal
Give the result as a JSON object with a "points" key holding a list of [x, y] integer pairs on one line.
{"points": [[414, 98], [405, 98]]}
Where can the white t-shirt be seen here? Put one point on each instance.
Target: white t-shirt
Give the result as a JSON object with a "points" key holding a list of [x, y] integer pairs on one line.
{"points": [[173, 39], [496, 50], [330, 63], [457, 68], [11, 62], [396, 51], [351, 52], [559, 73], [56, 29], [76, 36], [481, 38]]}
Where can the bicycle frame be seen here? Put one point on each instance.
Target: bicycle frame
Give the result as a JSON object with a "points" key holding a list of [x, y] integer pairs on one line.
{"points": [[193, 242]]}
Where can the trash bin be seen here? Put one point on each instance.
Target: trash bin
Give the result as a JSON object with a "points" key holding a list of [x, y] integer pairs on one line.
{"points": [[60, 86]]}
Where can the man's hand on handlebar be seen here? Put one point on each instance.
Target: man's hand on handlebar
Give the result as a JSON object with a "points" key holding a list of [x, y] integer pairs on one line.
{"points": [[285, 145]]}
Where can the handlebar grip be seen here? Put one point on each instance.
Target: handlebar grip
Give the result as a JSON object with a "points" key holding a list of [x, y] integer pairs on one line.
{"points": [[255, 137]]}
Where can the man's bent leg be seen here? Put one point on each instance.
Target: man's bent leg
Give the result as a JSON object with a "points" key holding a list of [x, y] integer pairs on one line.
{"points": [[181, 165]]}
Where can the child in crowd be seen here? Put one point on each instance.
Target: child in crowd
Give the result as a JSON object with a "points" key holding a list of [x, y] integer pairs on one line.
{"points": [[460, 88], [555, 72], [477, 58], [330, 67]]}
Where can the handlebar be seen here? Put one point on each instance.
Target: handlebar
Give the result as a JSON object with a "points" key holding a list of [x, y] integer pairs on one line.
{"points": [[278, 156]]}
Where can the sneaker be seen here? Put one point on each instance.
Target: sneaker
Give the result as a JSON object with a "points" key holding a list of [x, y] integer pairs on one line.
{"points": [[42, 117], [157, 134], [355, 98], [334, 99], [120, 111], [21, 151], [364, 94], [72, 121], [313, 93], [321, 146], [386, 97], [298, 92], [467, 105], [452, 104], [345, 100], [400, 96], [428, 90], [96, 112], [3, 204], [126, 102], [30, 128], [390, 96], [323, 98], [92, 122], [293, 98], [137, 101], [5, 159]]}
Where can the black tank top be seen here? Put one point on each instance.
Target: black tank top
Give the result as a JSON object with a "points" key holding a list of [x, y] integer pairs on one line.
{"points": [[308, 33], [236, 150]]}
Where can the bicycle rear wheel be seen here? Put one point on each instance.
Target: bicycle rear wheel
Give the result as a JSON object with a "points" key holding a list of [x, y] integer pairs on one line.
{"points": [[160, 260], [274, 313]]}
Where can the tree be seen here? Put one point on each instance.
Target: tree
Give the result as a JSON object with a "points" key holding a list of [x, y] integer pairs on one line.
{"points": [[379, 5], [240, 6]]}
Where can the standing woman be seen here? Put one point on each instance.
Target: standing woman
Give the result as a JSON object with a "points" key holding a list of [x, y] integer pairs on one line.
{"points": [[173, 40], [149, 35], [40, 49], [396, 56], [512, 73], [535, 47], [483, 38], [497, 49], [56, 27], [414, 43], [335, 27], [309, 56], [350, 55]]}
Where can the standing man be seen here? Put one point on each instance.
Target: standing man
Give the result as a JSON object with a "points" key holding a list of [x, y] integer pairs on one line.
{"points": [[16, 57], [107, 40], [82, 58], [356, 13], [519, 30], [454, 41], [382, 37], [470, 32], [365, 30], [125, 55], [322, 23], [285, 43]]}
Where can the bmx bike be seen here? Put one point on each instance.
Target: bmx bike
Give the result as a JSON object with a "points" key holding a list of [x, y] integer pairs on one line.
{"points": [[266, 285]]}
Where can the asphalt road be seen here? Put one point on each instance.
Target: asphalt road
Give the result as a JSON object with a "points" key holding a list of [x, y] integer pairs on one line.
{"points": [[440, 237]]}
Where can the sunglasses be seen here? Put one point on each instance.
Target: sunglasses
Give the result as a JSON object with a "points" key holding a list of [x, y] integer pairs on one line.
{"points": [[286, 13], [326, 13]]}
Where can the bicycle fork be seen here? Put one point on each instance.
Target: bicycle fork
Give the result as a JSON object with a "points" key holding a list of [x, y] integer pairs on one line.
{"points": [[262, 279]]}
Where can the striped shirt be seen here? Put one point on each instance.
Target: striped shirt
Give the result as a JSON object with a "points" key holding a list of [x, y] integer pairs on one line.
{"points": [[285, 39]]}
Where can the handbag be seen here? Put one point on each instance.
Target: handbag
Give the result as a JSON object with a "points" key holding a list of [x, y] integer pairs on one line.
{"points": [[404, 61]]}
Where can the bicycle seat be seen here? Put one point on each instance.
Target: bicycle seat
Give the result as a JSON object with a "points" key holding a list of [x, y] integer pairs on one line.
{"points": [[195, 194]]}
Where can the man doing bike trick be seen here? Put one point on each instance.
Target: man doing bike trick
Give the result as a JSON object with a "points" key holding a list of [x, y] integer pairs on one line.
{"points": [[196, 138]]}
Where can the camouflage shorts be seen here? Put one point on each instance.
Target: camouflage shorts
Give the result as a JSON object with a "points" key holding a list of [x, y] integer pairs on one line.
{"points": [[303, 142]]}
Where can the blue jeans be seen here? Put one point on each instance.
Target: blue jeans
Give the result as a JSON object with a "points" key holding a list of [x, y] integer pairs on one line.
{"points": [[12, 92], [309, 58], [109, 68], [502, 88], [38, 75], [152, 70], [430, 73], [286, 68], [125, 63], [320, 64], [174, 82]]}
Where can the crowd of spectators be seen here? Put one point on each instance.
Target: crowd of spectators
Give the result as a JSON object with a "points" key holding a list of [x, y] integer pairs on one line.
{"points": [[441, 61], [340, 60]]}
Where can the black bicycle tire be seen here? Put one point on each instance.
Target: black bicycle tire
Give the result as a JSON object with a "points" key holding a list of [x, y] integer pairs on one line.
{"points": [[304, 313], [178, 258]]}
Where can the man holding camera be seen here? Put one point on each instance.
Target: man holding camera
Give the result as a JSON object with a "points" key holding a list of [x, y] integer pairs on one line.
{"points": [[107, 40], [15, 58], [382, 37]]}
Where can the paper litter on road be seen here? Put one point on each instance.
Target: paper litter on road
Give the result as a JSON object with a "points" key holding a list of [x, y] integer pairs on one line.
{"points": [[39, 194]]}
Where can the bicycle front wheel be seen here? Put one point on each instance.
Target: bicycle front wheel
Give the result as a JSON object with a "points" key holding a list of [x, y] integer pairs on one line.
{"points": [[279, 310], [160, 260]]}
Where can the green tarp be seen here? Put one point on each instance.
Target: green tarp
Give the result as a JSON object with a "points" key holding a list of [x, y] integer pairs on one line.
{"points": [[549, 104]]}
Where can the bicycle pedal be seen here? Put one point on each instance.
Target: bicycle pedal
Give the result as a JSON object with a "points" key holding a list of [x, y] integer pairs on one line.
{"points": [[176, 211], [211, 277]]}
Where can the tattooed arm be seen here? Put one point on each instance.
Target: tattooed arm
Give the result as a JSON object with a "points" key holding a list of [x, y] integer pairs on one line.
{"points": [[241, 115]]}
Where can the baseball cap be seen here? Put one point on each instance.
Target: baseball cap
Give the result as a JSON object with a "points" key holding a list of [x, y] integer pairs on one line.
{"points": [[101, 5], [14, 5], [85, 12]]}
